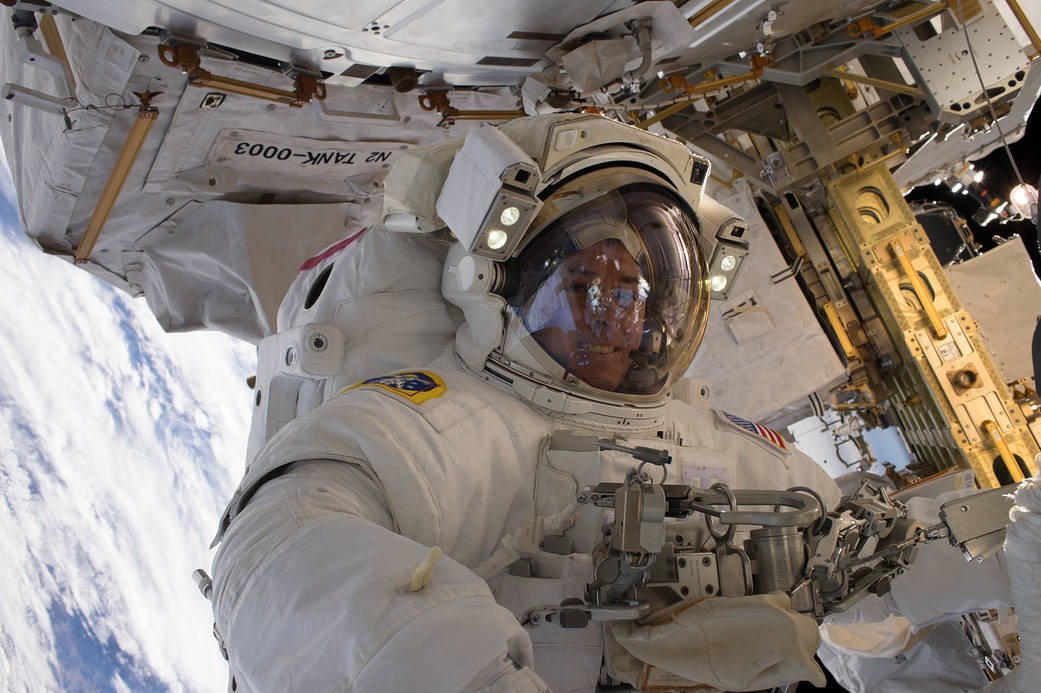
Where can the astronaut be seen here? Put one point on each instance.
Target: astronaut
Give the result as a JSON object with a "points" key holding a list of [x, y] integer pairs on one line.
{"points": [[395, 534]]}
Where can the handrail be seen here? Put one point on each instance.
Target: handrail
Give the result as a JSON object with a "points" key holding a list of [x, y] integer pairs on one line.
{"points": [[186, 58], [939, 329], [868, 29], [840, 330], [1006, 455], [146, 117]]}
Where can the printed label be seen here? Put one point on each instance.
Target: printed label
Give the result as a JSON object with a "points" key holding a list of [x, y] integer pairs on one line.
{"points": [[251, 151], [948, 351], [703, 477]]}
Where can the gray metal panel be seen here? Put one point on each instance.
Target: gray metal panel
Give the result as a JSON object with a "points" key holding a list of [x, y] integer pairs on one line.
{"points": [[447, 36], [766, 357], [1001, 293], [977, 522], [945, 64]]}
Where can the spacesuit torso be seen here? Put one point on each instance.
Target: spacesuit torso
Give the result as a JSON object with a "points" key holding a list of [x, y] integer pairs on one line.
{"points": [[463, 465]]}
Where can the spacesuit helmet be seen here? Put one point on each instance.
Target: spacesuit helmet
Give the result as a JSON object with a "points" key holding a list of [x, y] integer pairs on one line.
{"points": [[606, 293], [577, 262]]}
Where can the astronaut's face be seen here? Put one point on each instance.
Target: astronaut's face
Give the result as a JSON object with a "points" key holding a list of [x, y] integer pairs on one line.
{"points": [[599, 296]]}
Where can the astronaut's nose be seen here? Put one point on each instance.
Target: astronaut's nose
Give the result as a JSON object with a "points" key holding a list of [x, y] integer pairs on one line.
{"points": [[601, 329]]}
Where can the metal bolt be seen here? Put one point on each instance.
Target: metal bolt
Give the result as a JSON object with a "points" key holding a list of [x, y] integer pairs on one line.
{"points": [[684, 590], [330, 54], [682, 563], [319, 342], [709, 589], [706, 561], [290, 356]]}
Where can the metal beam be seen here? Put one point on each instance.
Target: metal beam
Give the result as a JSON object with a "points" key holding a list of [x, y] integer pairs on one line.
{"points": [[874, 82]]}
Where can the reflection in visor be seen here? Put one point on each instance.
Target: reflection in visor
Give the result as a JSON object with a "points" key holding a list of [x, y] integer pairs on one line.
{"points": [[589, 313], [612, 291]]}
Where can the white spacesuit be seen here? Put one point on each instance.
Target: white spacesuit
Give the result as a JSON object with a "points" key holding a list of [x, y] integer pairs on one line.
{"points": [[578, 263]]}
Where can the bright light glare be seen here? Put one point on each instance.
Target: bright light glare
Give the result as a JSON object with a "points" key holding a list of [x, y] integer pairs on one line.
{"points": [[509, 216], [728, 263], [1024, 201], [1022, 195], [957, 187], [718, 282], [977, 177], [496, 239]]}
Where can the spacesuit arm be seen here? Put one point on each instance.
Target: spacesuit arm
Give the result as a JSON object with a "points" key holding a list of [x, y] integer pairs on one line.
{"points": [[1023, 550], [941, 585], [312, 593]]}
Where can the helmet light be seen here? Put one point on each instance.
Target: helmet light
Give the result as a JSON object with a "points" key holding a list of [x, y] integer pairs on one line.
{"points": [[497, 238], [730, 252], [490, 185], [509, 216]]}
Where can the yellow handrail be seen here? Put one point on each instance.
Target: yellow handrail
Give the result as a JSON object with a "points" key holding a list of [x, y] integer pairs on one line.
{"points": [[146, 116], [840, 330], [939, 329], [1006, 455]]}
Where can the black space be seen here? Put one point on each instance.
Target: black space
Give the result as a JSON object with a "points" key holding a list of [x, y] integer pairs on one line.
{"points": [[999, 179]]}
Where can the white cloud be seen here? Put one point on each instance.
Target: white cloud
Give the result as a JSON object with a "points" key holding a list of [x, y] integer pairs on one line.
{"points": [[118, 446]]}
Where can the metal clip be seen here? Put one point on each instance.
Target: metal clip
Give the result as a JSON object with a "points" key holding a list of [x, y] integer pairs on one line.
{"points": [[645, 455], [575, 613]]}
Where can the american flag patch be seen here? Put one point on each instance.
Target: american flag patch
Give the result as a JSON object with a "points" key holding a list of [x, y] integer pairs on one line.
{"points": [[771, 436]]}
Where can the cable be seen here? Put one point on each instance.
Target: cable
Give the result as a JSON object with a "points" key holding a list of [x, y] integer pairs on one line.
{"points": [[993, 116], [990, 106]]}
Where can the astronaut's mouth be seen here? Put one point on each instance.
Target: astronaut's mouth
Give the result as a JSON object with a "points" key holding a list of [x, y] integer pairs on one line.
{"points": [[598, 348]]}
